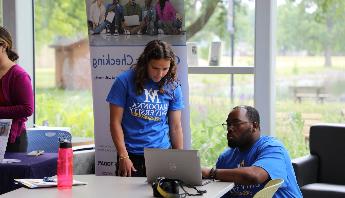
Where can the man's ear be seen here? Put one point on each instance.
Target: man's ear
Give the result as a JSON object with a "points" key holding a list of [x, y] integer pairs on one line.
{"points": [[255, 125]]}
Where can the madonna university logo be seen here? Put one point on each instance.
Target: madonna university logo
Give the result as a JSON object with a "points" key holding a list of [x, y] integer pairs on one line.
{"points": [[151, 108], [152, 95]]}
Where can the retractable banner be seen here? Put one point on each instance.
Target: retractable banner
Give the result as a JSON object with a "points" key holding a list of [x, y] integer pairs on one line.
{"points": [[116, 41]]}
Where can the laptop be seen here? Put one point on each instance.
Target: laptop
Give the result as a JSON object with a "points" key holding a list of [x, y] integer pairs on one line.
{"points": [[173, 164], [5, 127], [132, 20]]}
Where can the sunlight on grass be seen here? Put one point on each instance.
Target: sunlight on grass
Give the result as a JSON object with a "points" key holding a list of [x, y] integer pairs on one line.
{"points": [[45, 77], [66, 108]]}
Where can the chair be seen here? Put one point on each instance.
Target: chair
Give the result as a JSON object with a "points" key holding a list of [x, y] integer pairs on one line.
{"points": [[270, 188], [321, 174], [84, 162], [46, 138]]}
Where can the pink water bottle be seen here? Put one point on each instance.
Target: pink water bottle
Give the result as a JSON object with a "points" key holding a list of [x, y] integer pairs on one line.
{"points": [[65, 165]]}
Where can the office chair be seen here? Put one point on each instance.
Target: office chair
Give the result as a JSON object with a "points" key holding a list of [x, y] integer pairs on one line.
{"points": [[46, 139], [270, 188]]}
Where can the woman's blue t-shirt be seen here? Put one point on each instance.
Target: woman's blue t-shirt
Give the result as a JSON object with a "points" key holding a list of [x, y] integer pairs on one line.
{"points": [[145, 118]]}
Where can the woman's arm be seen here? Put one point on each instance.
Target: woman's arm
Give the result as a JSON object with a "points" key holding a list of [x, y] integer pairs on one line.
{"points": [[175, 127], [125, 164], [22, 99], [103, 12]]}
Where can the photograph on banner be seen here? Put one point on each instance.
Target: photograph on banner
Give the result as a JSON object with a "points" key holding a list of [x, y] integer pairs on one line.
{"points": [[135, 22]]}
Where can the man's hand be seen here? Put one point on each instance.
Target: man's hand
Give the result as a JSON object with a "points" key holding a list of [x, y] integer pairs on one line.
{"points": [[205, 172]]}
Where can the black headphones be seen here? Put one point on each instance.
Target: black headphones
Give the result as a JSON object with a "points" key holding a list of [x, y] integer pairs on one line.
{"points": [[169, 188], [163, 187]]}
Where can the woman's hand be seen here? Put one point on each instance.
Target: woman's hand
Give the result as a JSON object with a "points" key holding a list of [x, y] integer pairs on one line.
{"points": [[126, 167]]}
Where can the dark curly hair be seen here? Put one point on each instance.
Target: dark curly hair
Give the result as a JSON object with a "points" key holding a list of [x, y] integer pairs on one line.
{"points": [[154, 50], [6, 41]]}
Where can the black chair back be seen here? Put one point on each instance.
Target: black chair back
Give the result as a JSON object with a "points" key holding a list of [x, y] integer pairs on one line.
{"points": [[327, 141]]}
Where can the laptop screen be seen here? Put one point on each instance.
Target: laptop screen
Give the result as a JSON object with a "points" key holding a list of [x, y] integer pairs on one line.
{"points": [[5, 127], [173, 164], [132, 20]]}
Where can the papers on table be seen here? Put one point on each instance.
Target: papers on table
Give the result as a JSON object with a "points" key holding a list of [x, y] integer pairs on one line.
{"points": [[9, 161], [36, 153], [110, 17], [40, 183]]}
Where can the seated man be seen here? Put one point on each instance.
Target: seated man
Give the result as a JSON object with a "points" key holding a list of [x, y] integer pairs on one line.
{"points": [[114, 23], [132, 8], [148, 19], [252, 160]]}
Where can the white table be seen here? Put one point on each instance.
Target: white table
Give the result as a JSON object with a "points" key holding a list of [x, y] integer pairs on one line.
{"points": [[110, 186]]}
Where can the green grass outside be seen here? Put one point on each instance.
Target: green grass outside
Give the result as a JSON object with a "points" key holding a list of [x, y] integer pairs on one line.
{"points": [[45, 77], [66, 108]]}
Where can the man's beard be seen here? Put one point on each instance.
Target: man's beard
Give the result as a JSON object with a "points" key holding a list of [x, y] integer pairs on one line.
{"points": [[232, 143], [241, 141]]}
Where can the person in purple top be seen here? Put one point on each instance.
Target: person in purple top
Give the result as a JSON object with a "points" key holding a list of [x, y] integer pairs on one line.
{"points": [[169, 21], [16, 94], [251, 159]]}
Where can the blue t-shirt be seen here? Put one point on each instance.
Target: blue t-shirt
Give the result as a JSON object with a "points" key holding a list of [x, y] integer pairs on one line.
{"points": [[145, 117], [269, 154]]}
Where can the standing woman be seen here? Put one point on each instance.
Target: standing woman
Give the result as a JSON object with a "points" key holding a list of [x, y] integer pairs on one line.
{"points": [[16, 95], [145, 108]]}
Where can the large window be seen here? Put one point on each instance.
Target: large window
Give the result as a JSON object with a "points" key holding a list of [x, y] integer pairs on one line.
{"points": [[226, 41], [1, 16], [310, 69], [309, 75], [62, 66]]}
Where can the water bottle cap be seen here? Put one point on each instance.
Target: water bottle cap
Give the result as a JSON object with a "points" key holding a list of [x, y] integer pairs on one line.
{"points": [[65, 144]]}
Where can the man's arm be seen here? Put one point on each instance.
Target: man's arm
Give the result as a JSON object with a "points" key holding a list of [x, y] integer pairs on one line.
{"points": [[243, 175], [175, 127]]}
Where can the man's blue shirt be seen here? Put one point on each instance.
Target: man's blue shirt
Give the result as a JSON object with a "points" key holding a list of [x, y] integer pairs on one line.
{"points": [[268, 154]]}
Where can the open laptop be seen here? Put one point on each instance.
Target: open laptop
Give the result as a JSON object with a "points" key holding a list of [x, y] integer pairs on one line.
{"points": [[5, 127], [132, 20], [173, 164]]}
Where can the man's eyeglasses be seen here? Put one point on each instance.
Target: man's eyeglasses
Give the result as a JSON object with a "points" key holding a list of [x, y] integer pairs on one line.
{"points": [[232, 125]]}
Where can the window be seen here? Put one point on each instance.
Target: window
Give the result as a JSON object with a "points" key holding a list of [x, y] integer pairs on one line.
{"points": [[1, 16], [221, 69], [310, 69], [62, 66], [222, 74]]}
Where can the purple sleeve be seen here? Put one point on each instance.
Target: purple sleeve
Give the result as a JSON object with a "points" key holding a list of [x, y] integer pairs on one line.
{"points": [[171, 11], [22, 99]]}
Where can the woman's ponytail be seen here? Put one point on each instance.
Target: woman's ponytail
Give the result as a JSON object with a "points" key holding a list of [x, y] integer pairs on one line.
{"points": [[13, 56]]}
